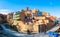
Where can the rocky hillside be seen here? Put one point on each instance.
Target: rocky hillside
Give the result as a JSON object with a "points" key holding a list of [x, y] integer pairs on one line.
{"points": [[2, 19]]}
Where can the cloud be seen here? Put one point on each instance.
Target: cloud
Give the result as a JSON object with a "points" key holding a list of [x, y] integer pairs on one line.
{"points": [[4, 11]]}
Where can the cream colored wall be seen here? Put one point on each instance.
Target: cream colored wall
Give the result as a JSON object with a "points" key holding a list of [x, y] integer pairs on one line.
{"points": [[45, 13], [35, 29], [40, 17], [32, 26]]}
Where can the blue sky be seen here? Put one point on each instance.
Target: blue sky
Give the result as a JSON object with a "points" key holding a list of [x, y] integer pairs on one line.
{"points": [[51, 6]]}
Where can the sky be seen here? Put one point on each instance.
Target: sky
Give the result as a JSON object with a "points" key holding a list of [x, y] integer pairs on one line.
{"points": [[51, 6]]}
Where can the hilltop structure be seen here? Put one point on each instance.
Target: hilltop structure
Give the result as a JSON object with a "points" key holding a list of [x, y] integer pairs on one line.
{"points": [[32, 20]]}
